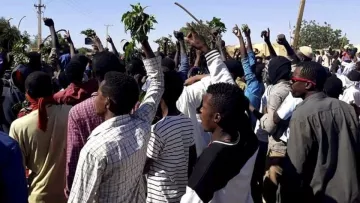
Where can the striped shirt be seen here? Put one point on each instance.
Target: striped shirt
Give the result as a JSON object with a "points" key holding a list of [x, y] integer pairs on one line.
{"points": [[169, 146]]}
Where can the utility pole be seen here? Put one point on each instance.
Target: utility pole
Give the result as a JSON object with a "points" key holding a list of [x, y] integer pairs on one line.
{"points": [[298, 23], [107, 33], [39, 12]]}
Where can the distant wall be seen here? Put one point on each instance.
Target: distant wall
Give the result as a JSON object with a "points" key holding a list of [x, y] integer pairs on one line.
{"points": [[262, 47]]}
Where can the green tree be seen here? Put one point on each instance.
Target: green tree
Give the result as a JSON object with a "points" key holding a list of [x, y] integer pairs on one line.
{"points": [[84, 50], [171, 44], [216, 23], [9, 35], [321, 36]]}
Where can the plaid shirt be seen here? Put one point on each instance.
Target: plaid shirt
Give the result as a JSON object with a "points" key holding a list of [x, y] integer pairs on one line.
{"points": [[112, 161], [82, 120]]}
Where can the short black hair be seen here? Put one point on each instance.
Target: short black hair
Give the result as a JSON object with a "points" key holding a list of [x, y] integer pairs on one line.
{"points": [[168, 63], [38, 84], [313, 71], [229, 100], [104, 62], [76, 67], [235, 67], [135, 67], [174, 85], [122, 90], [34, 61], [333, 87]]}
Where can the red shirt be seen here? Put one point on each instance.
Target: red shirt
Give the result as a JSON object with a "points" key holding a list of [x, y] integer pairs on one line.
{"points": [[76, 93]]}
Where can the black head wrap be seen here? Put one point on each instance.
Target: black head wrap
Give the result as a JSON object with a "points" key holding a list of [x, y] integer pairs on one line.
{"points": [[279, 68]]}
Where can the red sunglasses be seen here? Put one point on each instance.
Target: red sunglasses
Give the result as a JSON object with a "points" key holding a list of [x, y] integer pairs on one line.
{"points": [[296, 79]]}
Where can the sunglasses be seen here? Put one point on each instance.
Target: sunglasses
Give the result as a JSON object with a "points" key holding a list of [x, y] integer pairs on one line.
{"points": [[296, 79]]}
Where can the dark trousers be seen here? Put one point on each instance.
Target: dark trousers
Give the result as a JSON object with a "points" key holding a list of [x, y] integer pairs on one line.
{"points": [[258, 173]]}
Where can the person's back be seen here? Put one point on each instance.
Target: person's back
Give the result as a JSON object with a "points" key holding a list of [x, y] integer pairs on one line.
{"points": [[333, 126], [41, 135], [169, 147], [44, 153]]}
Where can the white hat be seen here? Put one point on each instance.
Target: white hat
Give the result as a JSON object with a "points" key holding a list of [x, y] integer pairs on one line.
{"points": [[307, 51]]}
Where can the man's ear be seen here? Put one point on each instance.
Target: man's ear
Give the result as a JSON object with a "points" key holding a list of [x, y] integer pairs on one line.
{"points": [[108, 103], [217, 117], [309, 86]]}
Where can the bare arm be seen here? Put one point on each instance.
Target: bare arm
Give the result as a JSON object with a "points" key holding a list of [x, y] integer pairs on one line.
{"points": [[281, 39], [54, 39], [114, 50], [266, 35], [70, 42]]}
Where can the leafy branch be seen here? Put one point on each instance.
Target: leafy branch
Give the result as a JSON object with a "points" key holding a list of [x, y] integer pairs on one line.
{"points": [[139, 24], [88, 32]]}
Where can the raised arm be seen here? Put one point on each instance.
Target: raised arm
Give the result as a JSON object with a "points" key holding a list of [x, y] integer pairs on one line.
{"points": [[148, 107], [71, 44], [281, 39], [54, 39], [114, 50], [184, 60], [191, 97], [251, 54], [177, 55], [266, 35]]}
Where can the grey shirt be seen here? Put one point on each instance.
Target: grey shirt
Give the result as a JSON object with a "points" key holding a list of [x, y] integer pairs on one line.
{"points": [[323, 152], [277, 95]]}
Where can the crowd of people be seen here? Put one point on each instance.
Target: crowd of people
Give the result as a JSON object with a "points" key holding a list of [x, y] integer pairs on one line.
{"points": [[193, 126]]}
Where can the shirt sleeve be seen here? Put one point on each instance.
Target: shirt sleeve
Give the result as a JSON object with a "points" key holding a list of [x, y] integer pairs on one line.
{"points": [[147, 109], [267, 120], [87, 178], [252, 58], [75, 142], [217, 68], [155, 145], [184, 66], [191, 97]]}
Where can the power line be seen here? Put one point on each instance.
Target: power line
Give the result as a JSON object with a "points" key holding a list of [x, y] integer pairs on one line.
{"points": [[39, 7], [107, 33]]}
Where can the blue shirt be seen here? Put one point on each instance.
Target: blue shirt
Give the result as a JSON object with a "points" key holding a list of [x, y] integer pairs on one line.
{"points": [[254, 88], [13, 186]]}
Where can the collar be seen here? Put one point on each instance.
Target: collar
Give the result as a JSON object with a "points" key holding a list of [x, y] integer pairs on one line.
{"points": [[109, 124], [319, 95]]}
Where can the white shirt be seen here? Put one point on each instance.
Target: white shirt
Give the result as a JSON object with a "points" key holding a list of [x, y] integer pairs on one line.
{"points": [[285, 112], [168, 147], [351, 95], [192, 95], [111, 163], [348, 67]]}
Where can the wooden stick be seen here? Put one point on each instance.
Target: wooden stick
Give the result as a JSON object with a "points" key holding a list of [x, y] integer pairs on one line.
{"points": [[198, 21]]}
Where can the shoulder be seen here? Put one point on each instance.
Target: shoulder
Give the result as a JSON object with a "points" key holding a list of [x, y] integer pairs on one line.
{"points": [[26, 120], [170, 123], [7, 143], [95, 147], [83, 107]]}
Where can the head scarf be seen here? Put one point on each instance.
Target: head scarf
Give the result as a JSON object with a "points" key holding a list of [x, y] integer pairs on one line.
{"points": [[40, 105], [279, 68]]}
